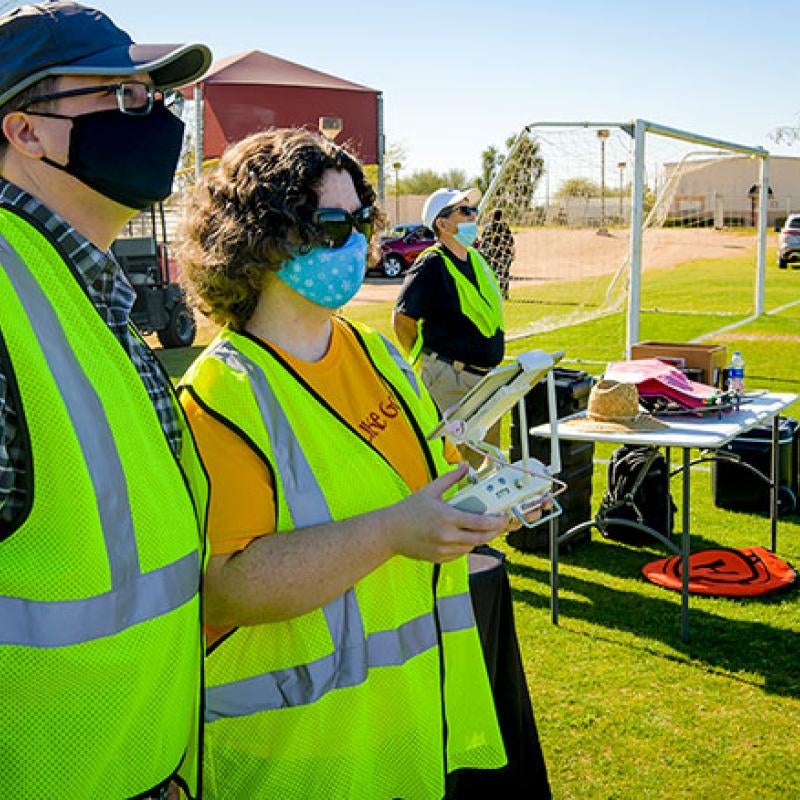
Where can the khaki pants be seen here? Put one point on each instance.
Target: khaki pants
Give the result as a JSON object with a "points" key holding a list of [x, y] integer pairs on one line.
{"points": [[447, 386]]}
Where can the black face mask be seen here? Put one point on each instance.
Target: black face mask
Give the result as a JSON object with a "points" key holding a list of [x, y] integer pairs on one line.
{"points": [[129, 158]]}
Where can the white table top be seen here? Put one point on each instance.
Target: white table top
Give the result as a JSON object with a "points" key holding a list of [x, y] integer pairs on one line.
{"points": [[685, 431]]}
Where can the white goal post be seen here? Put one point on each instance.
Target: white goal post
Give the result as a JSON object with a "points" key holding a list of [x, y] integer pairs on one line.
{"points": [[529, 179], [637, 201]]}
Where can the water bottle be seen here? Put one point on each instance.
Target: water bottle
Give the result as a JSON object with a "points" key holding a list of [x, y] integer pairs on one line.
{"points": [[736, 373]]}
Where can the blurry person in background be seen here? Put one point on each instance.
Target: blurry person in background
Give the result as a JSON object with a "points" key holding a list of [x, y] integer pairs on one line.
{"points": [[449, 314]]}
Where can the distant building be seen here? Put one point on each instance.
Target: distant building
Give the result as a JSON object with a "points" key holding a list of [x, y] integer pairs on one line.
{"points": [[254, 91], [724, 191]]}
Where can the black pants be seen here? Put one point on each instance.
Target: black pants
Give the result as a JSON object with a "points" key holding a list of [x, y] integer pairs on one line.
{"points": [[525, 775]]}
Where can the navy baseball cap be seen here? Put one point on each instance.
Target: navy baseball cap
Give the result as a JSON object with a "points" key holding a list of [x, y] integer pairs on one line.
{"points": [[63, 38]]}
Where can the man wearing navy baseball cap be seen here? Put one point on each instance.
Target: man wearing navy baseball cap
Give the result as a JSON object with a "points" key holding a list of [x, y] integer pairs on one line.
{"points": [[102, 495]]}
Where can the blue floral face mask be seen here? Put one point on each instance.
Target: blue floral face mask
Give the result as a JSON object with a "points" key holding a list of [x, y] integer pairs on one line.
{"points": [[328, 277], [467, 233]]}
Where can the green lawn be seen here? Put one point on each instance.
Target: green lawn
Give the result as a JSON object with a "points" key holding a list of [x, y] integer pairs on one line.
{"points": [[715, 291], [624, 708]]}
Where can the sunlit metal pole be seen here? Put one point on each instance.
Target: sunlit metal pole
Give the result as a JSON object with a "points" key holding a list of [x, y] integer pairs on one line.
{"points": [[199, 132], [396, 166], [602, 135], [621, 166]]}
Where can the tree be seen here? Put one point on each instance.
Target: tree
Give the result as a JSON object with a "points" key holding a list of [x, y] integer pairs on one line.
{"points": [[456, 179], [396, 153], [579, 187], [522, 168], [421, 181], [491, 160], [425, 181], [785, 134]]}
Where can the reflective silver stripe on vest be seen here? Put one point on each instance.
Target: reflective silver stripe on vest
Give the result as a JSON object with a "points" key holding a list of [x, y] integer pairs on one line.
{"points": [[354, 652], [306, 502], [134, 597], [402, 364], [307, 683]]}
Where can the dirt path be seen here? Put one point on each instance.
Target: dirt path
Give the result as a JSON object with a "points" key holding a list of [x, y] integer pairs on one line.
{"points": [[556, 254], [559, 254], [583, 254]]}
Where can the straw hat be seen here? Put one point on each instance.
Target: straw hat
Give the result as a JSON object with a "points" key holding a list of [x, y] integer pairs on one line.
{"points": [[614, 408]]}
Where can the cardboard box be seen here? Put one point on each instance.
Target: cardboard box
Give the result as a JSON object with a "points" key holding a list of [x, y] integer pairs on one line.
{"points": [[710, 359]]}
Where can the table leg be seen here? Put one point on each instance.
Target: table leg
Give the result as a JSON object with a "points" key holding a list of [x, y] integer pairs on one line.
{"points": [[553, 529], [774, 479], [685, 544], [668, 459]]}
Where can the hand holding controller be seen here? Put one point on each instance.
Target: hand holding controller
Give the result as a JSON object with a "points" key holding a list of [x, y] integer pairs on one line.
{"points": [[522, 488], [508, 489]]}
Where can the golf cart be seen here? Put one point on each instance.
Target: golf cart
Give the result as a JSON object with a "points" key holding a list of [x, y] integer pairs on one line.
{"points": [[161, 307]]}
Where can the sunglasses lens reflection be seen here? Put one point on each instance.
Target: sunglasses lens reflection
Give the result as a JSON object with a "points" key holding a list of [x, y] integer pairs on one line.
{"points": [[336, 224]]}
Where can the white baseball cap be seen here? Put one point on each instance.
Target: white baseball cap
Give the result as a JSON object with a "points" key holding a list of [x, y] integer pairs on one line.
{"points": [[444, 198]]}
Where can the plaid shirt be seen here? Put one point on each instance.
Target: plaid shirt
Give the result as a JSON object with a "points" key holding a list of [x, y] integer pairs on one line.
{"points": [[107, 287]]}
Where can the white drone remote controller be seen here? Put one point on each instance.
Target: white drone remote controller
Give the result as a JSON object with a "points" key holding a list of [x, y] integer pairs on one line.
{"points": [[508, 489], [504, 488]]}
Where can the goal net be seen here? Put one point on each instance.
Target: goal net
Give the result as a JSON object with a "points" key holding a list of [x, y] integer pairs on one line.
{"points": [[571, 197]]}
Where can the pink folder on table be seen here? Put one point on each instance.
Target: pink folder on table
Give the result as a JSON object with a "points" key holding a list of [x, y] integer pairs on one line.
{"points": [[654, 378]]}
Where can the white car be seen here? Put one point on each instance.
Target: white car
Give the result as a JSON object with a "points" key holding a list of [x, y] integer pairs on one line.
{"points": [[789, 241]]}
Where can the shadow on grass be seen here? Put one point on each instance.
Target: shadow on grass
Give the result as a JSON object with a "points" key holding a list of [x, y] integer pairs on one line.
{"points": [[622, 560], [716, 641]]}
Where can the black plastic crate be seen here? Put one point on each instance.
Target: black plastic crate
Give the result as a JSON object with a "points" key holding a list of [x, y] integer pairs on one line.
{"points": [[579, 482], [574, 455], [736, 488], [572, 395]]}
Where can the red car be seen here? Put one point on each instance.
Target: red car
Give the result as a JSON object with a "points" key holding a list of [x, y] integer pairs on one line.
{"points": [[398, 254]]}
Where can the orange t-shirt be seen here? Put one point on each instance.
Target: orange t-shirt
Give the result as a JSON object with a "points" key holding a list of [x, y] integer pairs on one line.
{"points": [[345, 378]]}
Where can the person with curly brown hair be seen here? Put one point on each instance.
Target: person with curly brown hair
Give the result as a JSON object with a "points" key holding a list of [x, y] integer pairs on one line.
{"points": [[343, 656]]}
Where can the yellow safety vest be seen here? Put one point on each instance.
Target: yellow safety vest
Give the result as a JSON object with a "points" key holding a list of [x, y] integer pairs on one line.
{"points": [[100, 629], [351, 700], [481, 304]]}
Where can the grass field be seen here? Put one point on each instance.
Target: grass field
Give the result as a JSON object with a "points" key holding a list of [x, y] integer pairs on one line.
{"points": [[573, 281], [624, 708]]}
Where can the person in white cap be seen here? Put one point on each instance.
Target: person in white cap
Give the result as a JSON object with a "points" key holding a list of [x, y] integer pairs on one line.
{"points": [[102, 494], [449, 314]]}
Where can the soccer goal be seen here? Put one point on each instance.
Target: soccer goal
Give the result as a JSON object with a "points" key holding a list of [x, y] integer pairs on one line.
{"points": [[634, 219]]}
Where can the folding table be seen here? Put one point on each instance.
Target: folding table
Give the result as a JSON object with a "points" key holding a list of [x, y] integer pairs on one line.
{"points": [[686, 432]]}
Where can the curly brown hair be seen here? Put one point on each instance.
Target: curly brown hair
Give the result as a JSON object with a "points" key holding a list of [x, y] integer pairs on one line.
{"points": [[253, 212]]}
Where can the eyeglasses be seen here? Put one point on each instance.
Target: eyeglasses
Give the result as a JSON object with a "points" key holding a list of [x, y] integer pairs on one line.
{"points": [[335, 224], [133, 97], [466, 211]]}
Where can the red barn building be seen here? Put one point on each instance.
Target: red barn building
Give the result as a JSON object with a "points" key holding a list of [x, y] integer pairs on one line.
{"points": [[254, 91]]}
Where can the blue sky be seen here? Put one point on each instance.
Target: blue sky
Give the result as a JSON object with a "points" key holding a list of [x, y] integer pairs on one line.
{"points": [[460, 75]]}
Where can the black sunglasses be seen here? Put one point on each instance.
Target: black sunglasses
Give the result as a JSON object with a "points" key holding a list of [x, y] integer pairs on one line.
{"points": [[467, 211], [335, 224]]}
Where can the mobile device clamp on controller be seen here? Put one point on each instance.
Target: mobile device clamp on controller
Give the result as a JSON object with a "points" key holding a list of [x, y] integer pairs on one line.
{"points": [[502, 487]]}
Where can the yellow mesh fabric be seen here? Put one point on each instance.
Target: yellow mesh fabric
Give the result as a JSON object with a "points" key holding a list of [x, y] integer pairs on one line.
{"points": [[109, 717], [383, 744], [90, 729], [382, 738]]}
